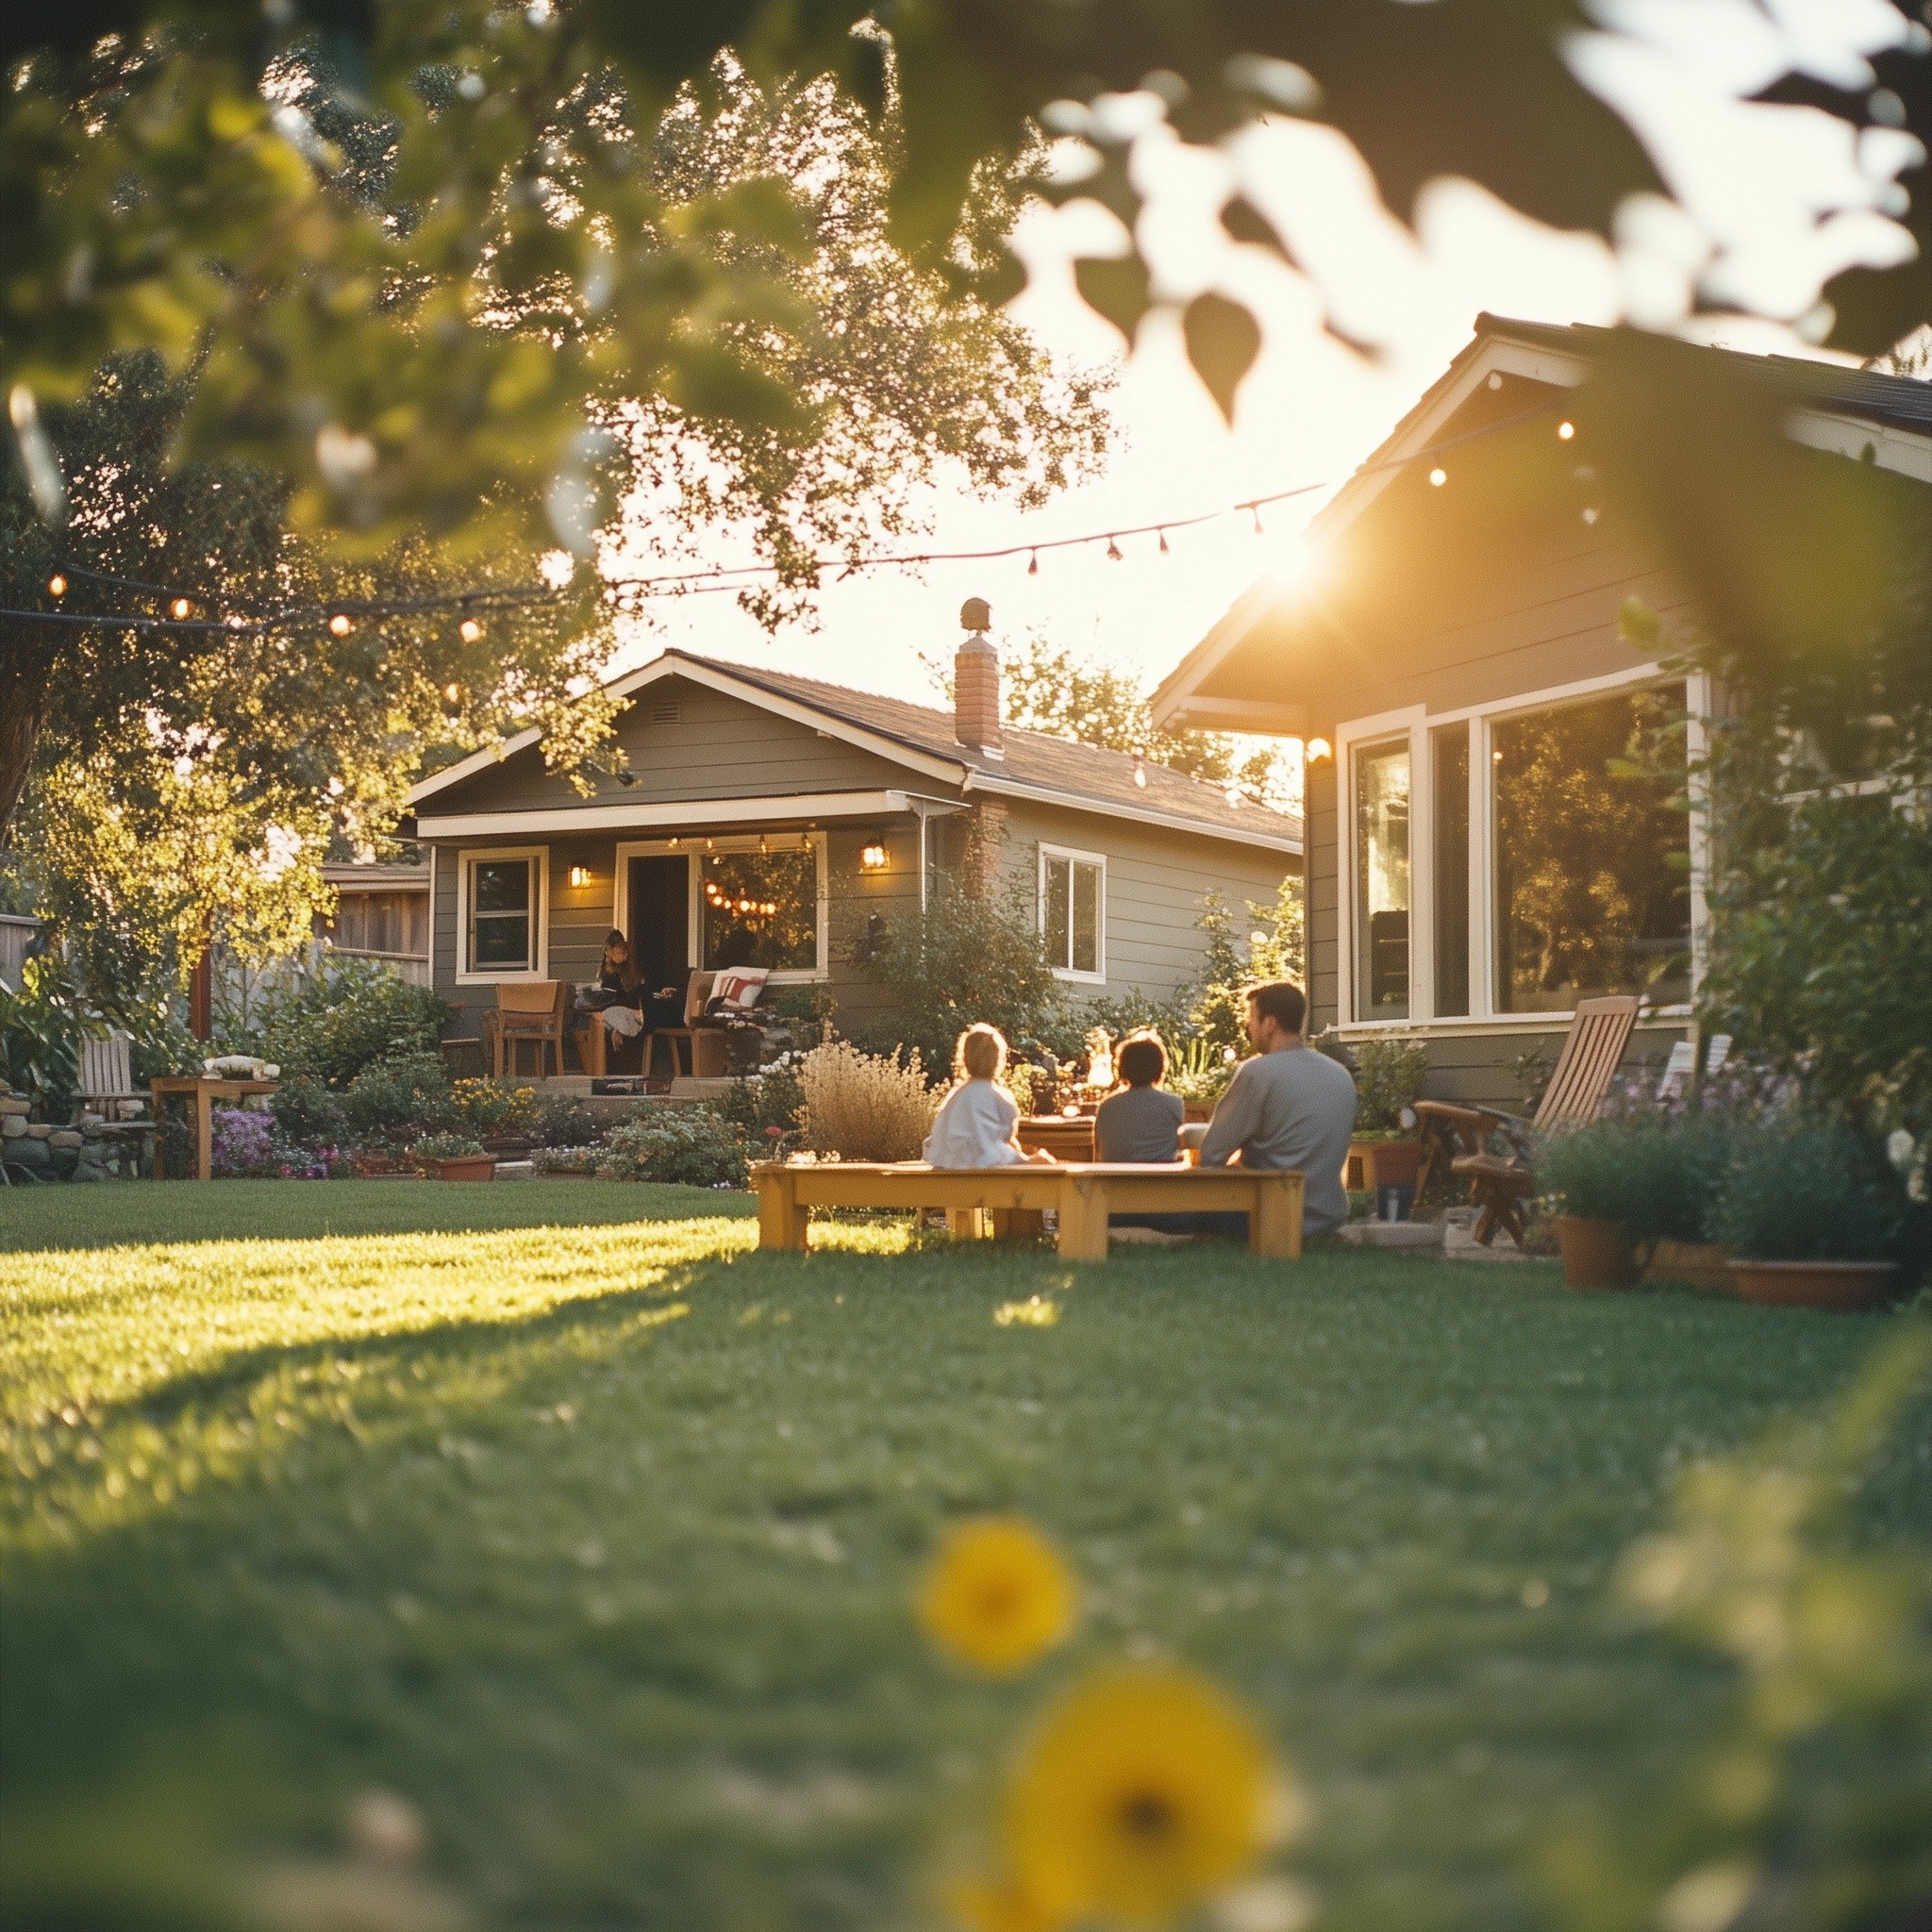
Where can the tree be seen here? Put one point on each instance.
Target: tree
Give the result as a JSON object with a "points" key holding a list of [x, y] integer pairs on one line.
{"points": [[177, 200]]}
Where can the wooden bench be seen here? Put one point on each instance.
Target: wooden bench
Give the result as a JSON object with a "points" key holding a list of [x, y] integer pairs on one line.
{"points": [[1083, 1196]]}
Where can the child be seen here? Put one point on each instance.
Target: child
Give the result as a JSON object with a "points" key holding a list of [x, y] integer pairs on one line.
{"points": [[1143, 1123], [977, 1122]]}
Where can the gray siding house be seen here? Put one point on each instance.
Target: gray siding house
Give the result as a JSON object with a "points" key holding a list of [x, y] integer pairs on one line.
{"points": [[1455, 667], [775, 821]]}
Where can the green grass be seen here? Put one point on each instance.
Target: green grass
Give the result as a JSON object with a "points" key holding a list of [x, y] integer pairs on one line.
{"points": [[560, 1511]]}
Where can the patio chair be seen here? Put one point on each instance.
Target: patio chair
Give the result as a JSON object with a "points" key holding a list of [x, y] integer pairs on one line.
{"points": [[107, 1089], [1501, 1184], [526, 1010], [703, 1046]]}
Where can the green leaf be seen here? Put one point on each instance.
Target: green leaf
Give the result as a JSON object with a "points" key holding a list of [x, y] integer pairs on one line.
{"points": [[1223, 342]]}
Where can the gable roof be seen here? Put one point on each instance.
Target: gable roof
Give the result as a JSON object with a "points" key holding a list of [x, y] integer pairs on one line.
{"points": [[1560, 355], [1030, 764]]}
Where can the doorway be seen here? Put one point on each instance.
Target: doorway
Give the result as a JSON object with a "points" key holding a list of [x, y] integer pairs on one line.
{"points": [[658, 903]]}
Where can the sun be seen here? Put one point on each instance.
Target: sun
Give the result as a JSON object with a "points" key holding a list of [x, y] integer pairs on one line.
{"points": [[997, 1595], [1144, 1791]]}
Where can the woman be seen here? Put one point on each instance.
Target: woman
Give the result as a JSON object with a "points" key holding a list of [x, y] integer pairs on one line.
{"points": [[619, 991]]}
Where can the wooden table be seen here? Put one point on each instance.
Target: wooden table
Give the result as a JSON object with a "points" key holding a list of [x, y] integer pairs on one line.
{"points": [[1083, 1194], [204, 1090], [1066, 1137]]}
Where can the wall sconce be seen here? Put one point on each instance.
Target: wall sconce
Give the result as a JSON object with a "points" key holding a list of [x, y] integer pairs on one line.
{"points": [[1320, 748], [873, 858], [580, 875]]}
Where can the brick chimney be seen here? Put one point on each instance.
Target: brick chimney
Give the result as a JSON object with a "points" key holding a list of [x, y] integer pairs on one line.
{"points": [[976, 681]]}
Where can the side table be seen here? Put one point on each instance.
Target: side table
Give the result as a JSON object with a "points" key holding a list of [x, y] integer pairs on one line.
{"points": [[204, 1091]]}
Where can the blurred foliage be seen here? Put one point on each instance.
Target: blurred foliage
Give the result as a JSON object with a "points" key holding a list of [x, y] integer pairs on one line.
{"points": [[1656, 1175], [41, 1028], [1806, 1812], [1805, 1189], [1389, 1075], [1276, 949]]}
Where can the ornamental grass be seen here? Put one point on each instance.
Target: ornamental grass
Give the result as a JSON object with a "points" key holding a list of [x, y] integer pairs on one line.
{"points": [[866, 1107]]}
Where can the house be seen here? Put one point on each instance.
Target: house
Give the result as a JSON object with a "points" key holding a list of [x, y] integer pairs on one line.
{"points": [[1479, 855], [775, 821], [382, 913]]}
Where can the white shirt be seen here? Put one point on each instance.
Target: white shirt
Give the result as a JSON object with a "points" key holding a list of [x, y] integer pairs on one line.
{"points": [[975, 1129]]}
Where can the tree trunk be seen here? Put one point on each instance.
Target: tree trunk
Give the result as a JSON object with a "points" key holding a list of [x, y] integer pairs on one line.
{"points": [[26, 665]]}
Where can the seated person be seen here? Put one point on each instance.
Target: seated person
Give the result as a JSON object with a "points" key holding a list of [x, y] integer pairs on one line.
{"points": [[1289, 1106], [1143, 1123], [977, 1124], [618, 992]]}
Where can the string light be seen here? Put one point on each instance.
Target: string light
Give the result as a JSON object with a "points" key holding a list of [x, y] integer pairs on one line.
{"points": [[1438, 477], [1113, 551], [340, 626], [1140, 775], [1261, 528], [1033, 568], [179, 608], [56, 585], [469, 630], [1163, 543], [452, 691], [1590, 516], [1566, 430]]}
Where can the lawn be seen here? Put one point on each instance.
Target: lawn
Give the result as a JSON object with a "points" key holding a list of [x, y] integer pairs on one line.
{"points": [[561, 1512]]}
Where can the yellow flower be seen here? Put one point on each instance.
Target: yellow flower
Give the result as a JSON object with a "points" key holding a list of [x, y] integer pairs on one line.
{"points": [[981, 1906], [1144, 1791], [997, 1595]]}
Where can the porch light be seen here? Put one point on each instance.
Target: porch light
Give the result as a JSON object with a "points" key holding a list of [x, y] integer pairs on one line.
{"points": [[873, 858], [1320, 748], [580, 876]]}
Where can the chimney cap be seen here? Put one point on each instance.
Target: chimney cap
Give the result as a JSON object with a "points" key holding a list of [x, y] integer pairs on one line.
{"points": [[976, 614]]}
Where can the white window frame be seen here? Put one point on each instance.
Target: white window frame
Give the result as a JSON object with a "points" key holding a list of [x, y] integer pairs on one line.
{"points": [[467, 860], [1417, 724], [1075, 856], [692, 850]]}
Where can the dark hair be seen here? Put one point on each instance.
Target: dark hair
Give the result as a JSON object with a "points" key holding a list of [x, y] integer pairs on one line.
{"points": [[1141, 1060], [1282, 1001], [628, 975]]}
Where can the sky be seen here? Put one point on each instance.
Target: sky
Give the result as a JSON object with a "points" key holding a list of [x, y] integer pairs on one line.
{"points": [[1768, 203]]}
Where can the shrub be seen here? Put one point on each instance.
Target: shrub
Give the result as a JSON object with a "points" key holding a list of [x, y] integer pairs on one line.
{"points": [[564, 1121], [695, 1146], [445, 1147], [970, 957], [774, 1098], [492, 1107], [866, 1107], [397, 1099], [41, 1030], [1389, 1076], [1198, 1070], [1656, 1177], [306, 1114], [347, 1016], [581, 1160], [1808, 1189]]}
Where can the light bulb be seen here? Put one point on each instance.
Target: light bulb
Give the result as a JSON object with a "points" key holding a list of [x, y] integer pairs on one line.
{"points": [[1566, 430], [1438, 477], [180, 608], [1113, 551], [340, 624], [469, 630], [1163, 543], [56, 585], [1261, 529], [452, 691], [1033, 568], [1320, 748]]}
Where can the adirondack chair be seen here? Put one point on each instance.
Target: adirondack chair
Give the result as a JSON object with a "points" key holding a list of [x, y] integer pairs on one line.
{"points": [[526, 1010], [107, 1089], [1501, 1184]]}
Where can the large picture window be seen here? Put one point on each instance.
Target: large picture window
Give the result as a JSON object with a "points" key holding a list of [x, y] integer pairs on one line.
{"points": [[1073, 912], [503, 914], [1592, 879], [759, 909], [1382, 881]]}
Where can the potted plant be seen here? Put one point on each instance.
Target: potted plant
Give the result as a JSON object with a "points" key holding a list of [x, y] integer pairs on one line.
{"points": [[1619, 1189], [1384, 1152], [1810, 1216], [452, 1157]]}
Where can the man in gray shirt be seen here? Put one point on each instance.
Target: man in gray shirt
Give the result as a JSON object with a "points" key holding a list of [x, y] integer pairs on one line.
{"points": [[1288, 1108]]}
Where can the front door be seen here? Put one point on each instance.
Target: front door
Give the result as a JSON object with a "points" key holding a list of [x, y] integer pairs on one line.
{"points": [[660, 919]]}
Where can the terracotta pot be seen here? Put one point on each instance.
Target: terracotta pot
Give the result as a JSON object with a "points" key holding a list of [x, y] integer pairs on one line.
{"points": [[466, 1167], [1816, 1284], [1391, 1163], [1597, 1253], [1692, 1264]]}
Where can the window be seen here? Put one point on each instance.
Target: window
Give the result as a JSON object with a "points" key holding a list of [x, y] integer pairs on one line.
{"points": [[1381, 882], [1449, 755], [502, 896], [1073, 912], [759, 909], [1591, 883]]}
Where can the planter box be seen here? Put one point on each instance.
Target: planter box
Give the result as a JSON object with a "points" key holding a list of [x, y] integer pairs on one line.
{"points": [[1374, 1164], [466, 1167], [1690, 1264], [1597, 1253], [1816, 1284]]}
